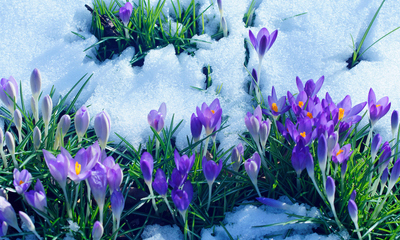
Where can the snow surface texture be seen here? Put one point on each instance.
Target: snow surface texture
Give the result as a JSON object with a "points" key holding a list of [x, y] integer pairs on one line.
{"points": [[37, 34]]}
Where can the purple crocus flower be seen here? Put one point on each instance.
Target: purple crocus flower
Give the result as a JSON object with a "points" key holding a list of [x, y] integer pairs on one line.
{"points": [[82, 164], [376, 143], [210, 116], [263, 42], [348, 113], [322, 152], [125, 13], [184, 163], [36, 83], [276, 107], [236, 157], [300, 155], [377, 109], [59, 167], [353, 210], [82, 120], [9, 86], [394, 121], [7, 214], [385, 157], [182, 198], [22, 180], [3, 228], [330, 189], [37, 198], [273, 203], [117, 204], [97, 231], [297, 103], [102, 127], [211, 170], [98, 185], [385, 175], [156, 118], [177, 179], [353, 195], [252, 166], [114, 177], [146, 165], [394, 175], [310, 87], [160, 183], [253, 122], [254, 81], [195, 127], [340, 155]]}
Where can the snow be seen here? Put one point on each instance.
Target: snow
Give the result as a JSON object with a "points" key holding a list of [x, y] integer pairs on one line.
{"points": [[37, 34]]}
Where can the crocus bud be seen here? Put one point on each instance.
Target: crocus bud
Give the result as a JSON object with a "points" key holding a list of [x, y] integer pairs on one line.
{"points": [[236, 157], [182, 198], [37, 138], [310, 165], [330, 189], [58, 166], [353, 195], [22, 180], [195, 127], [322, 152], [97, 231], [10, 142], [331, 142], [177, 178], [156, 119], [64, 124], [146, 165], [82, 120], [376, 143], [160, 183], [7, 214], [224, 26], [343, 169], [395, 123], [3, 228], [219, 2], [47, 108], [125, 13], [102, 127], [114, 177], [211, 170], [353, 211], [37, 199], [9, 86], [27, 221], [252, 166], [18, 119], [385, 175], [273, 203], [36, 83], [265, 128], [117, 204], [98, 185], [394, 175]]}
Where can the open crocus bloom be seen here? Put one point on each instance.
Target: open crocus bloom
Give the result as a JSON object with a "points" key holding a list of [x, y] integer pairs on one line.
{"points": [[377, 109], [210, 116], [156, 119], [263, 42]]}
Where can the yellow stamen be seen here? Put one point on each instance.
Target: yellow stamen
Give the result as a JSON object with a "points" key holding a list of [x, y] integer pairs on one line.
{"points": [[301, 104], [109, 207], [21, 182], [303, 134], [378, 105], [213, 111], [275, 107], [341, 113], [339, 152], [309, 115], [77, 168]]}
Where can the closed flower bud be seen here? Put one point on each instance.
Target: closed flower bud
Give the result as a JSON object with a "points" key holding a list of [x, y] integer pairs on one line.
{"points": [[97, 231], [102, 127], [117, 204], [146, 165], [82, 120], [395, 123], [36, 83], [236, 157], [376, 143], [47, 108], [125, 13], [27, 221], [265, 128], [10, 141], [330, 189], [160, 183], [252, 166], [394, 175], [3, 228], [322, 152], [353, 195], [9, 86], [64, 124], [7, 214], [195, 127], [224, 27], [353, 211], [37, 136], [18, 119], [385, 175]]}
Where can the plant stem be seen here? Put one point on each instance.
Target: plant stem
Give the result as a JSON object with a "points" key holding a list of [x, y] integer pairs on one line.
{"points": [[152, 195], [205, 147], [14, 160], [169, 208], [358, 232], [46, 133], [157, 148], [76, 196], [67, 203], [3, 156], [209, 195]]}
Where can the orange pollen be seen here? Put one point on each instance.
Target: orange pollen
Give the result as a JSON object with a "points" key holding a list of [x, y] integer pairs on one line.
{"points": [[309, 115], [339, 152], [341, 113], [21, 182], [275, 107], [303, 134], [301, 104], [378, 105], [77, 168], [109, 206], [213, 111]]}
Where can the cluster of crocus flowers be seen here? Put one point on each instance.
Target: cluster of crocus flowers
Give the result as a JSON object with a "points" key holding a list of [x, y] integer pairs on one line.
{"points": [[262, 44]]}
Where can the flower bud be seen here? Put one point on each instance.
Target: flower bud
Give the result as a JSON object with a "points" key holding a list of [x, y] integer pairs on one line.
{"points": [[395, 123], [160, 183], [82, 120], [236, 157], [195, 127], [331, 142], [353, 195], [27, 221], [310, 165], [376, 143], [36, 83], [97, 231], [7, 214], [47, 108], [9, 86], [394, 175], [102, 127], [252, 166], [10, 142], [117, 204], [224, 27], [385, 175], [330, 189], [343, 169], [219, 2], [146, 165], [265, 128], [18, 119], [63, 125], [3, 228], [353, 211], [37, 136], [125, 13], [322, 152]]}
